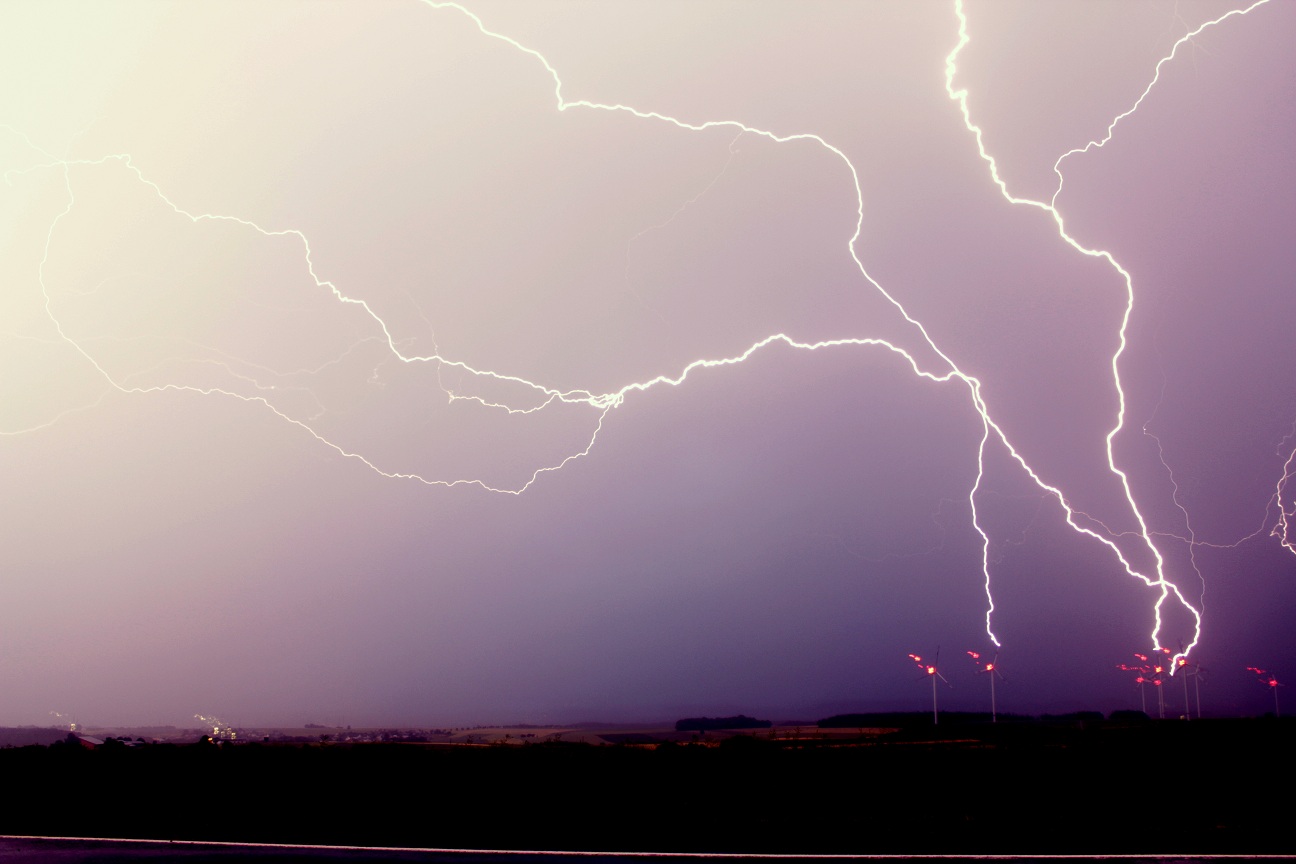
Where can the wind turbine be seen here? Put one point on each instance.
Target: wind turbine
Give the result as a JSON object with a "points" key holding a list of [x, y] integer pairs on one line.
{"points": [[1158, 671], [1269, 681], [1142, 678], [1181, 665], [931, 671], [991, 669], [1153, 673], [1198, 673]]}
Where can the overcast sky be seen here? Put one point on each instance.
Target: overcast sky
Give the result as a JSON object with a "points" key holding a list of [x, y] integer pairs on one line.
{"points": [[343, 354]]}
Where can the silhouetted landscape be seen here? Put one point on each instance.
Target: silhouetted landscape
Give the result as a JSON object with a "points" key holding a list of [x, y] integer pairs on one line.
{"points": [[879, 784]]}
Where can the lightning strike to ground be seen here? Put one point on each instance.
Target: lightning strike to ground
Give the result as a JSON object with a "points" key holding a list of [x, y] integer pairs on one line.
{"points": [[601, 404], [1159, 581]]}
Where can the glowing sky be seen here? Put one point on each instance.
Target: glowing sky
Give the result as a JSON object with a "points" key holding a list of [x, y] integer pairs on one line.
{"points": [[296, 299]]}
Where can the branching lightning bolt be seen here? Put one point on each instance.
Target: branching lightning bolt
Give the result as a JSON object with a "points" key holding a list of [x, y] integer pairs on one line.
{"points": [[1161, 582], [603, 403], [1286, 512], [1281, 528]]}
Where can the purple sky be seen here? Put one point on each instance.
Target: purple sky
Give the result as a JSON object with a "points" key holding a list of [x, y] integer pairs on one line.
{"points": [[295, 298]]}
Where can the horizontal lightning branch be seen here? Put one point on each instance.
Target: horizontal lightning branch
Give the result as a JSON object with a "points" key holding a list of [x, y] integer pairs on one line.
{"points": [[603, 403]]}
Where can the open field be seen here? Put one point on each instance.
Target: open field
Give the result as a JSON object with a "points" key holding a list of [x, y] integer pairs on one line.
{"points": [[515, 735], [1021, 788]]}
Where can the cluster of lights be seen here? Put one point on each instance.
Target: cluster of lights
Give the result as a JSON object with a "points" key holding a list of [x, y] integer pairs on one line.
{"points": [[220, 730], [927, 668], [1270, 681]]}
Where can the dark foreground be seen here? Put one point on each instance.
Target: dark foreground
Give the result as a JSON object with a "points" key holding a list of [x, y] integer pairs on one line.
{"points": [[76, 851], [1170, 788]]}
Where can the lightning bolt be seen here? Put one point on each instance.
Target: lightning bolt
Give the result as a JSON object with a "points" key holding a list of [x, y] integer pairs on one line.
{"points": [[1165, 586], [953, 371], [543, 397], [1282, 528]]}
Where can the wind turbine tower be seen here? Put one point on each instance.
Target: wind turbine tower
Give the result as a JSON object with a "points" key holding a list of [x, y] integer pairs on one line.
{"points": [[991, 669], [930, 670]]}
